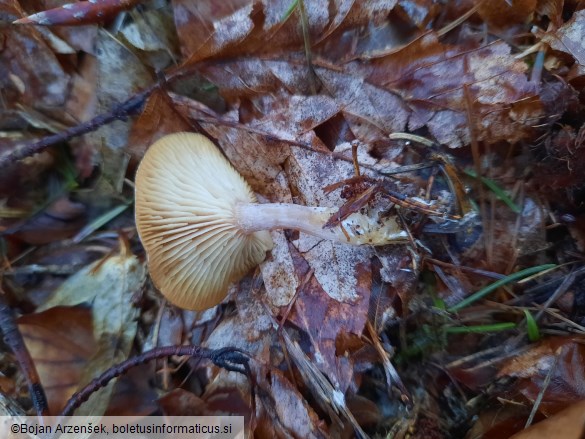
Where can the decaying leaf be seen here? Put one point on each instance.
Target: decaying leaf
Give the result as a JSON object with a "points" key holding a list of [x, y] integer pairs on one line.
{"points": [[568, 424], [82, 12], [108, 286], [41, 85], [559, 357], [502, 14], [158, 118], [60, 220], [61, 342], [120, 75], [286, 410], [330, 397], [335, 317], [418, 85], [568, 39]]}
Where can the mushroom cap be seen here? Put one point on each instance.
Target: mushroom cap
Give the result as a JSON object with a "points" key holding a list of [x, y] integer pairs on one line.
{"points": [[186, 194]]}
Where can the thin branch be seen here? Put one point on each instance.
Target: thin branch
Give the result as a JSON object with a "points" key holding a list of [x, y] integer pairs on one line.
{"points": [[562, 289], [13, 338], [477, 165], [459, 20], [545, 385], [120, 112], [391, 373], [230, 359]]}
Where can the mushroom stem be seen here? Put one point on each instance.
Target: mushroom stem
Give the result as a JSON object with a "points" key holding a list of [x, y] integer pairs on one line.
{"points": [[356, 229], [255, 217]]}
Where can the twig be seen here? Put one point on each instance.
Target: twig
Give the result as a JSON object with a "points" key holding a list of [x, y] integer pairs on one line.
{"points": [[459, 20], [413, 138], [545, 385], [230, 359], [562, 289], [218, 120], [571, 324], [389, 369], [14, 340], [354, 151], [41, 269], [477, 165], [119, 112], [488, 274], [545, 286]]}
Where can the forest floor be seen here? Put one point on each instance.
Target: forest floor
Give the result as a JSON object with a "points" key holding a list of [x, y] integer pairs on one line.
{"points": [[464, 120]]}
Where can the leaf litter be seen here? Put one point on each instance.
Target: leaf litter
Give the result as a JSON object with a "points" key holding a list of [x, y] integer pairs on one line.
{"points": [[302, 97]]}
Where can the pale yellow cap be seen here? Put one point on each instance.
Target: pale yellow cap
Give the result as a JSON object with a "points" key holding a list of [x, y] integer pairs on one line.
{"points": [[186, 192]]}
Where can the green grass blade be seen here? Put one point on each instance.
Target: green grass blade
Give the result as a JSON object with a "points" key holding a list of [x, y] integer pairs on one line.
{"points": [[499, 283], [531, 326], [99, 222], [497, 190], [290, 10], [480, 329], [439, 303]]}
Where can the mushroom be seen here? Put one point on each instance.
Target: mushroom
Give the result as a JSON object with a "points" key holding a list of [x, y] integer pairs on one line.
{"points": [[203, 229]]}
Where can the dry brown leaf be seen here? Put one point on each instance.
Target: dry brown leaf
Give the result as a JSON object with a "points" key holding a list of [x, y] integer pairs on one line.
{"points": [[567, 424], [328, 396], [278, 272], [507, 240], [158, 118], [335, 265], [500, 421], [60, 220], [42, 84], [422, 84], [251, 329], [61, 342], [134, 394], [315, 305], [286, 409], [344, 29], [120, 75], [258, 160], [197, 28], [78, 37], [170, 330], [567, 375], [152, 33], [502, 14], [81, 106], [366, 412], [569, 39], [385, 293], [431, 76], [109, 286], [180, 402]]}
